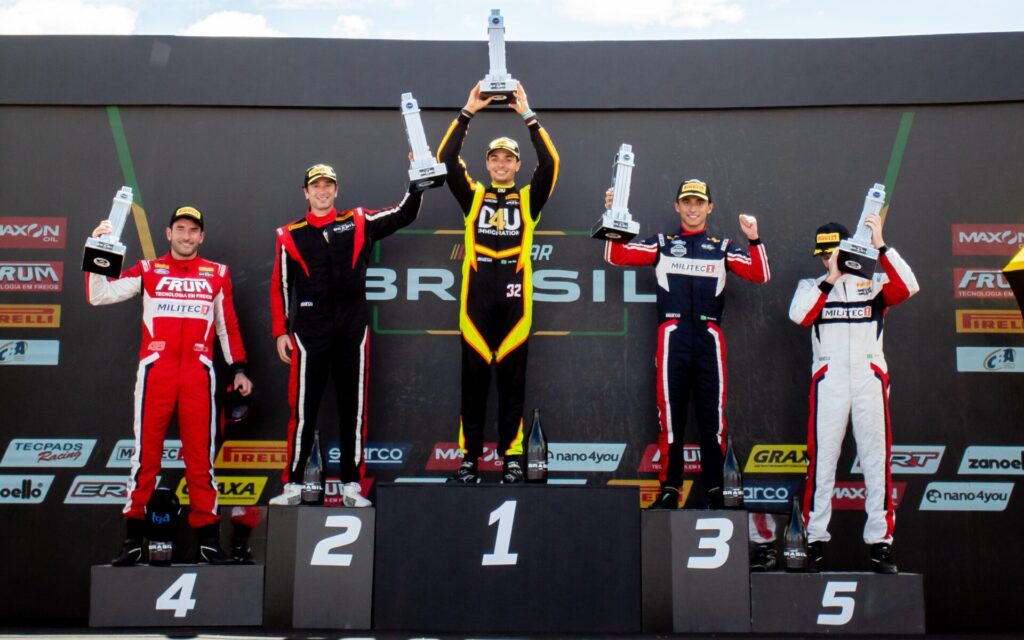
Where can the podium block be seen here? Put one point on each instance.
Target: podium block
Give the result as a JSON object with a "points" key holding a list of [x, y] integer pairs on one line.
{"points": [[500, 558], [320, 571], [695, 571], [182, 595], [847, 603]]}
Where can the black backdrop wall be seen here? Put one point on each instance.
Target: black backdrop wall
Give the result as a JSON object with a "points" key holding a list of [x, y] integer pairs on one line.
{"points": [[791, 131]]}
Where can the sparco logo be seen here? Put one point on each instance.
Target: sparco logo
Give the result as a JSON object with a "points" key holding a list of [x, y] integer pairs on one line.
{"points": [[63, 452], [918, 458], [987, 239], [770, 496], [24, 489], [121, 456], [777, 458], [32, 233], [652, 462], [31, 276], [376, 454], [99, 490], [446, 456], [966, 496], [585, 456], [980, 283], [995, 461], [851, 495]]}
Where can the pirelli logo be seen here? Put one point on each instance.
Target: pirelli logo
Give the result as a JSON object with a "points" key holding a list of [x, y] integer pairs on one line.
{"points": [[649, 490], [30, 316], [989, 321], [252, 454]]}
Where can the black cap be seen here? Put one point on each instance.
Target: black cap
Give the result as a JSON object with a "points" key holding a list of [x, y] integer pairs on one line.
{"points": [[318, 171], [694, 187], [828, 236], [193, 214]]}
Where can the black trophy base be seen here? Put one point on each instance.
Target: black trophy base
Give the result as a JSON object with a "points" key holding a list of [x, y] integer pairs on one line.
{"points": [[857, 259], [102, 258], [427, 178], [503, 91], [608, 228]]}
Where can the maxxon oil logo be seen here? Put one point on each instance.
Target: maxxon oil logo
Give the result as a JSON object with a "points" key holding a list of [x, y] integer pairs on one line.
{"points": [[31, 276], [987, 239], [649, 490], [446, 456], [30, 316], [170, 458], [980, 283], [966, 496], [252, 454], [990, 359], [33, 233], [239, 490], [48, 452], [852, 495], [992, 461], [919, 458], [99, 490], [24, 489], [777, 458], [652, 463], [380, 455], [989, 321]]}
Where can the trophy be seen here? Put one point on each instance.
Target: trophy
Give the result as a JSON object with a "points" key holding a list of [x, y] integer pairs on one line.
{"points": [[105, 255], [856, 255], [313, 475], [424, 172], [795, 551], [536, 452], [732, 480], [162, 514], [616, 224], [497, 82]]}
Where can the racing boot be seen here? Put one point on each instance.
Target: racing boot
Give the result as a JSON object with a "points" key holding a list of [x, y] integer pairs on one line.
{"points": [[882, 560], [512, 472], [715, 498], [815, 556], [241, 553], [352, 496], [209, 545], [291, 495], [763, 557], [667, 499], [466, 474], [131, 548]]}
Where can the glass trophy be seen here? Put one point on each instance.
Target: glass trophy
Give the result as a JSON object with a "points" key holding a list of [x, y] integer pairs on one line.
{"points": [[498, 82], [424, 171], [105, 255], [616, 224], [857, 256]]}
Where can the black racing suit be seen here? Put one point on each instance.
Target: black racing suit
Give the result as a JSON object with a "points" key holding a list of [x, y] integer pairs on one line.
{"points": [[496, 301]]}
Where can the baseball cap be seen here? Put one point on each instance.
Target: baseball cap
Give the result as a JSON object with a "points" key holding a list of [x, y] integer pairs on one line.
{"points": [[694, 187], [187, 212], [828, 236], [318, 171], [508, 144]]}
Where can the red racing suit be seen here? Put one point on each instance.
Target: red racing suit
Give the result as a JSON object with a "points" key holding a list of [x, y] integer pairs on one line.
{"points": [[849, 377], [691, 269], [184, 304]]}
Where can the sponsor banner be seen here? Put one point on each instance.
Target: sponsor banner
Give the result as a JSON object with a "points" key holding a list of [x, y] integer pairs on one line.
{"points": [[770, 495], [446, 456], [910, 458], [852, 495], [649, 490], [99, 490], [333, 493], [980, 283], [777, 458], [30, 316], [391, 455], [33, 233], [18, 489], [121, 456], [585, 456], [987, 239], [651, 461], [48, 452], [252, 454], [989, 359], [966, 496], [28, 352], [31, 276], [992, 461], [231, 490], [989, 321]]}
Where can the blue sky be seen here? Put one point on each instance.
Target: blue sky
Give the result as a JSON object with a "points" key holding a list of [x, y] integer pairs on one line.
{"points": [[525, 19]]}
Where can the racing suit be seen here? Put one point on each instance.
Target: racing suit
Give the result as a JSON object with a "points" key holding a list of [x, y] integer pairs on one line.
{"points": [[849, 374], [318, 295], [184, 302], [496, 299], [691, 269]]}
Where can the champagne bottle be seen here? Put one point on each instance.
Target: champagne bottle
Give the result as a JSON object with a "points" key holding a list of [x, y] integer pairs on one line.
{"points": [[732, 481], [536, 452], [796, 540], [313, 475]]}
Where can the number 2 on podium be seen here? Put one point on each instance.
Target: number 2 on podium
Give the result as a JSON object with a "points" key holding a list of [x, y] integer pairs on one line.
{"points": [[505, 516]]}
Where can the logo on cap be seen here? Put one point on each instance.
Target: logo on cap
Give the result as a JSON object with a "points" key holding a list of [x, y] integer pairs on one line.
{"points": [[188, 212], [508, 144], [318, 171], [693, 187]]}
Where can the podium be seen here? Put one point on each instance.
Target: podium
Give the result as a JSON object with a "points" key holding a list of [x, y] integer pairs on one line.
{"points": [[507, 558]]}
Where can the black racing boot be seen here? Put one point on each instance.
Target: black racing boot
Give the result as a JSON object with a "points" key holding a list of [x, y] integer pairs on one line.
{"points": [[815, 556], [667, 499], [241, 553], [512, 472], [466, 474], [763, 557], [882, 560], [209, 545], [715, 498], [131, 548]]}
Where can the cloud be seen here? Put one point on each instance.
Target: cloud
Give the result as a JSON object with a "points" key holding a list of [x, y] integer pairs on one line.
{"points": [[233, 24], [67, 17], [347, 26], [685, 14]]}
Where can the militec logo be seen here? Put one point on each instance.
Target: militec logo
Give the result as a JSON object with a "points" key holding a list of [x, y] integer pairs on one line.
{"points": [[651, 461], [980, 283], [852, 495], [377, 455], [777, 458], [989, 359], [910, 458], [48, 452], [252, 454], [33, 233], [231, 490], [31, 276], [99, 490], [599, 457], [446, 456], [992, 461], [121, 456], [987, 239], [966, 496], [24, 489], [775, 496]]}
